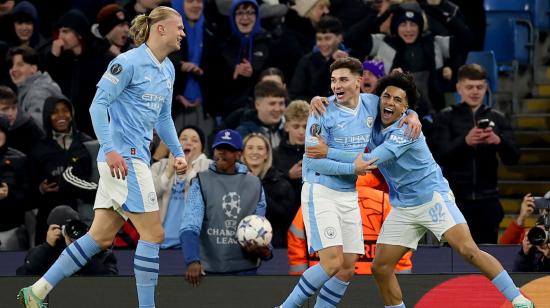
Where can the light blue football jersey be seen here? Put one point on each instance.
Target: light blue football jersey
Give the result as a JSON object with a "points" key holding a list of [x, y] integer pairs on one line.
{"points": [[342, 128], [137, 92], [412, 173]]}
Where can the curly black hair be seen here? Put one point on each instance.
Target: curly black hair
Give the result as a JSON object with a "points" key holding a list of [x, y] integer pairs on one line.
{"points": [[404, 81]]}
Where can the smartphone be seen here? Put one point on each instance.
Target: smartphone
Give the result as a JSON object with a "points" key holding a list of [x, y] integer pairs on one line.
{"points": [[483, 123]]}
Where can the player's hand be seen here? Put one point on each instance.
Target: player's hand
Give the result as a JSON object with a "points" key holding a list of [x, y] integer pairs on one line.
{"points": [[296, 171], [475, 136], [170, 166], [317, 151], [53, 234], [4, 190], [363, 167], [414, 127], [194, 273], [180, 164], [117, 164], [527, 208], [46, 187], [317, 105], [252, 249]]}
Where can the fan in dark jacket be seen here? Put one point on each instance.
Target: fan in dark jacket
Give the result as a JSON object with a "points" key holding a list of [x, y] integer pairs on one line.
{"points": [[60, 163], [64, 227]]}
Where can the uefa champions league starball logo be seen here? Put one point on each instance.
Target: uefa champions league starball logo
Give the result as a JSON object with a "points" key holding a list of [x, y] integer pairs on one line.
{"points": [[231, 204]]}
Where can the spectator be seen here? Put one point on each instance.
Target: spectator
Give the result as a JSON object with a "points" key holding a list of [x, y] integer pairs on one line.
{"points": [[516, 230], [13, 190], [302, 19], [211, 227], [60, 163], [73, 62], [197, 65], [312, 75], [274, 74], [245, 54], [372, 71], [267, 118], [468, 153], [64, 227], [531, 257], [375, 207], [281, 206], [25, 25], [430, 58], [33, 86], [171, 188], [23, 132], [136, 7], [287, 157], [112, 29]]}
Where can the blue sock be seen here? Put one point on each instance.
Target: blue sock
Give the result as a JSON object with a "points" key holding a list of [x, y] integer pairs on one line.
{"points": [[312, 279], [402, 305], [73, 258], [331, 293], [146, 269], [505, 285]]}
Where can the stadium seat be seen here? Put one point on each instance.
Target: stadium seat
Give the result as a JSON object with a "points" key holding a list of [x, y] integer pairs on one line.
{"points": [[540, 11], [488, 61]]}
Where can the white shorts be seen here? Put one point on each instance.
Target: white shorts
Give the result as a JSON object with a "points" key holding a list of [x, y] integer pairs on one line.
{"points": [[135, 194], [332, 218], [405, 226]]}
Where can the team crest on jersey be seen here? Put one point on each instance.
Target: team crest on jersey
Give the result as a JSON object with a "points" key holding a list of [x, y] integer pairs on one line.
{"points": [[369, 121], [116, 69], [330, 232], [315, 130]]}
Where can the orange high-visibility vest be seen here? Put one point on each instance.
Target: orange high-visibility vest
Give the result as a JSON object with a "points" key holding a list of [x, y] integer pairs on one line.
{"points": [[375, 207]]}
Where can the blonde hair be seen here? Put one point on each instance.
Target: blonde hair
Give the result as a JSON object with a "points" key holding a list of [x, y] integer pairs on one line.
{"points": [[297, 110], [141, 25], [269, 160]]}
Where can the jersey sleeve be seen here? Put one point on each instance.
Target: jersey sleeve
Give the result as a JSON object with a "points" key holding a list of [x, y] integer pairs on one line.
{"points": [[396, 141], [118, 75]]}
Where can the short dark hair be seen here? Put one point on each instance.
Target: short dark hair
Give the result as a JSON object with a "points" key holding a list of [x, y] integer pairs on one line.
{"points": [[472, 71], [7, 96], [29, 55], [329, 24], [351, 63], [272, 71], [404, 81], [269, 88]]}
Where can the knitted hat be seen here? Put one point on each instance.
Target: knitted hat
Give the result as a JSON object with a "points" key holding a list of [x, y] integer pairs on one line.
{"points": [[375, 66], [75, 20], [302, 7], [407, 11], [111, 16]]}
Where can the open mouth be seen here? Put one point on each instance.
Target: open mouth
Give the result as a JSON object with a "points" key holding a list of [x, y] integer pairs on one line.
{"points": [[339, 95], [387, 113]]}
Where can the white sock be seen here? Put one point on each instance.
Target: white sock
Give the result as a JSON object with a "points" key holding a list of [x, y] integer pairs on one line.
{"points": [[41, 288]]}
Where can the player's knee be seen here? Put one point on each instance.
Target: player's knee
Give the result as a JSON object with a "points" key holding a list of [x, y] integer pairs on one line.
{"points": [[333, 264], [380, 269]]}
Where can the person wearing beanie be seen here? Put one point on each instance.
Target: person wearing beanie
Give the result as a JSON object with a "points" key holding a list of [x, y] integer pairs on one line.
{"points": [[431, 59], [171, 189], [25, 24], [64, 227], [76, 61], [301, 19], [113, 25], [13, 191], [60, 164], [372, 71]]}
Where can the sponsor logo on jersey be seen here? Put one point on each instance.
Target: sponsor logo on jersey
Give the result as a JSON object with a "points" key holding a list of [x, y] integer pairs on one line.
{"points": [[398, 139]]}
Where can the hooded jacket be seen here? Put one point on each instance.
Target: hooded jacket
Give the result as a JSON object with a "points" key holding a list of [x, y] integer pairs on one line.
{"points": [[255, 48], [69, 168], [32, 92], [28, 9]]}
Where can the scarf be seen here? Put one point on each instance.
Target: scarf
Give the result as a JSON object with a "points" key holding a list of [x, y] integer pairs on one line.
{"points": [[194, 33]]}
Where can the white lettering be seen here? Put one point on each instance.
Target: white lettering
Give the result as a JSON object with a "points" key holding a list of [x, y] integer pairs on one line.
{"points": [[346, 140], [397, 139], [110, 77]]}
